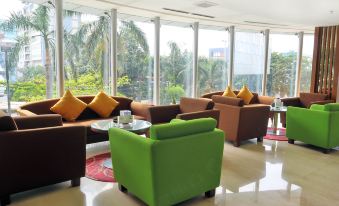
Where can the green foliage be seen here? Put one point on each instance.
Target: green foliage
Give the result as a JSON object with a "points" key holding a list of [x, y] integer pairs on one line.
{"points": [[174, 93], [30, 90]]}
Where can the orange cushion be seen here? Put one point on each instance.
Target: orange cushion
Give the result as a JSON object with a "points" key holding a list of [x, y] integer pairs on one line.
{"points": [[103, 104], [69, 107], [245, 94], [229, 93]]}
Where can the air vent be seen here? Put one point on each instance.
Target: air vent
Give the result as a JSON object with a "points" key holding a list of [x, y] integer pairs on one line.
{"points": [[205, 4], [186, 12], [203, 15], [175, 10], [265, 23]]}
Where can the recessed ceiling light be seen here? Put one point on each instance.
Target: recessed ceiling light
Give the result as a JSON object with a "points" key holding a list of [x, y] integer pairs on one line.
{"points": [[331, 12], [205, 4]]}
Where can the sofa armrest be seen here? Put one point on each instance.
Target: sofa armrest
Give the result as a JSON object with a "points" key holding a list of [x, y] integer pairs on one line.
{"points": [[25, 112], [323, 102], [163, 114], [40, 154], [38, 121], [291, 101], [228, 100], [141, 109], [268, 100], [209, 95], [201, 114]]}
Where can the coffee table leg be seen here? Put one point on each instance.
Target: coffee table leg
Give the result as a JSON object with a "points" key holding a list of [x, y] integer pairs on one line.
{"points": [[275, 123]]}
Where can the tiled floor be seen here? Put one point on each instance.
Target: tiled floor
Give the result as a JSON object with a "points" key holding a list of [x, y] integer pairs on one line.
{"points": [[268, 173]]}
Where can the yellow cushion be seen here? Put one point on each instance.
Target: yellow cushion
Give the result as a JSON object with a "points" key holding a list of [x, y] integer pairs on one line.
{"points": [[103, 104], [245, 94], [229, 93], [69, 107]]}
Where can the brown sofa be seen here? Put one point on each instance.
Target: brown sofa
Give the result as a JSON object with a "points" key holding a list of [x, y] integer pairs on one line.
{"points": [[239, 121], [189, 108], [305, 100], [88, 116], [37, 151]]}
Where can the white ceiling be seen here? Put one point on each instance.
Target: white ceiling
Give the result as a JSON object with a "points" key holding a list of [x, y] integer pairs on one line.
{"points": [[279, 15]]}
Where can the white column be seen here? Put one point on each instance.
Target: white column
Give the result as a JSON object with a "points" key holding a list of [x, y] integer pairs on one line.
{"points": [[266, 60], [195, 60], [299, 63], [113, 53], [156, 89], [59, 46], [232, 40]]}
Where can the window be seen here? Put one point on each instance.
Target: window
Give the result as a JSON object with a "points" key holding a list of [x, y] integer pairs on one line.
{"points": [[283, 60], [29, 79], [249, 60], [213, 60], [135, 59], [176, 45], [306, 64]]}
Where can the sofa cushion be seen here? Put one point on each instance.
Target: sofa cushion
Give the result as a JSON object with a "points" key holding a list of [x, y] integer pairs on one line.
{"points": [[69, 107], [245, 94], [103, 105], [306, 99], [318, 107], [332, 107], [180, 129], [188, 105], [228, 100], [229, 93], [7, 123]]}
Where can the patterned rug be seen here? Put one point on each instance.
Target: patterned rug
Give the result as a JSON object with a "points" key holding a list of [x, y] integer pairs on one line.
{"points": [[281, 137], [95, 169]]}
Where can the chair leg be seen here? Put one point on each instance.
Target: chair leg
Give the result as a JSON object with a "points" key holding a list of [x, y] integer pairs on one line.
{"points": [[260, 139], [210, 193], [122, 188], [75, 182], [5, 200], [291, 141]]}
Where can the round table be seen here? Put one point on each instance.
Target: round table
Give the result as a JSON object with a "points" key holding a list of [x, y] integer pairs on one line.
{"points": [[102, 126], [276, 111]]}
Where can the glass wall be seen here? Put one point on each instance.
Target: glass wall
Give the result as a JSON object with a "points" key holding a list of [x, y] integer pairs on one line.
{"points": [[135, 59], [306, 65], [283, 51], [213, 60], [86, 53], [249, 60], [31, 57], [176, 45]]}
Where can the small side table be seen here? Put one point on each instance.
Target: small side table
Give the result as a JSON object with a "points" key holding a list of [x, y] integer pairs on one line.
{"points": [[276, 111]]}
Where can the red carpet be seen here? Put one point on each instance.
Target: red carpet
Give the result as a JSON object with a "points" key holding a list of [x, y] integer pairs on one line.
{"points": [[276, 137], [96, 171]]}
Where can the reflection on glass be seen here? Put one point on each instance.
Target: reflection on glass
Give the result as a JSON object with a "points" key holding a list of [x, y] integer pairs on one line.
{"points": [[283, 59], [249, 60], [306, 64], [213, 60], [176, 44]]}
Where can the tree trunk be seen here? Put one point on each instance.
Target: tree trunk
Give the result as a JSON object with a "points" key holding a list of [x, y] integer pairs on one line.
{"points": [[49, 71]]}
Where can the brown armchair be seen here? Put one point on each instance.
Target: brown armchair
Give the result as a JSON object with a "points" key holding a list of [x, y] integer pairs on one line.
{"points": [[241, 122], [37, 151], [189, 108], [304, 100]]}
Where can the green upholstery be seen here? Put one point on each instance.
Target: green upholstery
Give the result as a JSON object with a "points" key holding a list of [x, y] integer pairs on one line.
{"points": [[172, 169], [316, 126]]}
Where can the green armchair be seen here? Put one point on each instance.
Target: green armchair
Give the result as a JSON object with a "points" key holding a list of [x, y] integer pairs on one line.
{"points": [[317, 126], [180, 160]]}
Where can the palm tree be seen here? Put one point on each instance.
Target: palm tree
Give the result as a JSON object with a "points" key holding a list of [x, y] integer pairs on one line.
{"points": [[39, 21]]}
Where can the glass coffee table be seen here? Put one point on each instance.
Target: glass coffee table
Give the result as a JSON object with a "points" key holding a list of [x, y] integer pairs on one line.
{"points": [[276, 114], [102, 126]]}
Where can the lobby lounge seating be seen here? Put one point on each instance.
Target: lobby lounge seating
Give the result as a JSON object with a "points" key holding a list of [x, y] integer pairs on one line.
{"points": [[305, 100], [189, 108], [239, 121], [179, 161], [37, 151], [88, 116], [317, 126]]}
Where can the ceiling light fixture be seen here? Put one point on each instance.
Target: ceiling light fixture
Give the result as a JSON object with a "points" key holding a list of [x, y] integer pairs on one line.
{"points": [[205, 4]]}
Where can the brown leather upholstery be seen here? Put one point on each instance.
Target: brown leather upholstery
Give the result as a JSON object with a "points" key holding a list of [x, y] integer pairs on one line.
{"points": [[228, 100], [38, 121], [42, 156], [7, 123], [305, 101], [189, 108], [87, 116]]}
